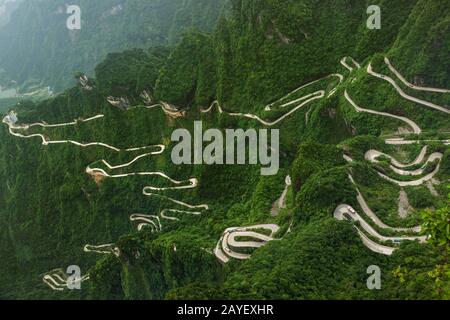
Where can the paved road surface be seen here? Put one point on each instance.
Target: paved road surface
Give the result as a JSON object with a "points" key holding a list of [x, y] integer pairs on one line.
{"points": [[224, 249], [371, 155], [416, 129], [403, 94], [365, 207], [343, 211], [347, 66], [412, 86]]}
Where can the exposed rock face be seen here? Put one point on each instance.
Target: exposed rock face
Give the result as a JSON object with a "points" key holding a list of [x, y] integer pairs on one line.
{"points": [[84, 83], [281, 201], [121, 103], [430, 185], [403, 205], [11, 118]]}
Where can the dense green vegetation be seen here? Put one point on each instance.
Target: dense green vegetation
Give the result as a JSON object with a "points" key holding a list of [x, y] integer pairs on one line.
{"points": [[37, 44], [261, 50]]}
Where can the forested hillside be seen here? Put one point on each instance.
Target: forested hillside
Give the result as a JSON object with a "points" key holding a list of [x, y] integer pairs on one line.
{"points": [[37, 45], [364, 159]]}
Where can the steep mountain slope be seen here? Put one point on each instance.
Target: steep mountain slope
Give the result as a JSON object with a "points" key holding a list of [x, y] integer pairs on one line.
{"points": [[431, 46], [154, 237], [36, 44]]}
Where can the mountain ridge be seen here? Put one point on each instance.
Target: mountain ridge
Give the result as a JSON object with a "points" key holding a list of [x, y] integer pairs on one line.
{"points": [[246, 64]]}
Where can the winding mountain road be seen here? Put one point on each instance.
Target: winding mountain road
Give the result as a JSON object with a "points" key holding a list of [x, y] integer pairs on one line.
{"points": [[304, 99], [124, 105], [225, 248], [366, 209], [179, 185], [109, 248], [45, 125], [231, 240], [346, 212], [417, 182], [188, 184], [375, 247], [434, 156], [58, 280], [402, 141], [409, 84], [147, 220], [120, 166], [200, 206], [314, 96], [169, 110], [344, 63], [403, 94], [286, 97], [46, 142], [372, 155], [416, 129]]}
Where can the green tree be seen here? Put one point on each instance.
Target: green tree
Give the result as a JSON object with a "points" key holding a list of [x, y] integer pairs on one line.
{"points": [[437, 226]]}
